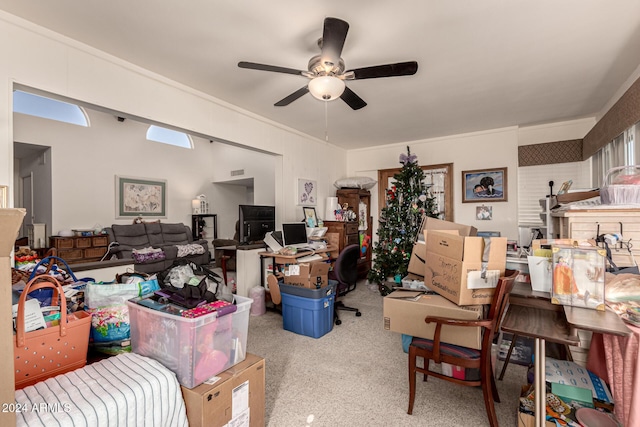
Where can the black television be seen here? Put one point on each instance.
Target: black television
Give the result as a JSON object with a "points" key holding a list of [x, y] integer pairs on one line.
{"points": [[254, 222]]}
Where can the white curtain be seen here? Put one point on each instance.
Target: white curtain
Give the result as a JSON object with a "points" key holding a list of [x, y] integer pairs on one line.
{"points": [[624, 150]]}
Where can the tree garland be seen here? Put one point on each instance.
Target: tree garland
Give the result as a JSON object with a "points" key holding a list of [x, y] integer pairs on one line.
{"points": [[405, 204]]}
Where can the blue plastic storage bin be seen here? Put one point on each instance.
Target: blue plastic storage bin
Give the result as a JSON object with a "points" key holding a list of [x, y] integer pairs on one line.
{"points": [[312, 317], [309, 293]]}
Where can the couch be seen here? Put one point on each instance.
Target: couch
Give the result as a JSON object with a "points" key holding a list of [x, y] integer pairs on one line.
{"points": [[175, 240]]}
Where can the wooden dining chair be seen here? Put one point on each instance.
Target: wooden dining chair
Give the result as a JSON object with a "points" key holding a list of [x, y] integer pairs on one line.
{"points": [[466, 357]]}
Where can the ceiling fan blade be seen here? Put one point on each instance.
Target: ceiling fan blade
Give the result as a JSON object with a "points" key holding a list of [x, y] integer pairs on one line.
{"points": [[289, 99], [273, 68], [388, 70], [352, 100], [333, 38]]}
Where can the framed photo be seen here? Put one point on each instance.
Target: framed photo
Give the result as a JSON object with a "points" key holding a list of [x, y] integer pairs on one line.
{"points": [[310, 217], [141, 197], [484, 185], [307, 192], [4, 203], [484, 213]]}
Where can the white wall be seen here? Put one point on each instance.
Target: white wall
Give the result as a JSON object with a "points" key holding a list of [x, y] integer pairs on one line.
{"points": [[478, 150], [85, 160], [35, 57]]}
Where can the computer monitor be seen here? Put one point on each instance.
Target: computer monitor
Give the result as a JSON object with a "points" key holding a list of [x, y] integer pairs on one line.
{"points": [[254, 222], [294, 233]]}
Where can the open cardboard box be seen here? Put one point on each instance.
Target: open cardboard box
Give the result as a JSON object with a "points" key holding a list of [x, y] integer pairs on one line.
{"points": [[404, 312], [454, 266], [418, 254], [313, 275]]}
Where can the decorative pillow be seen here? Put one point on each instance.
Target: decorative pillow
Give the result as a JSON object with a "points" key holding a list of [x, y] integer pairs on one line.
{"points": [[147, 254], [355, 182], [190, 249]]}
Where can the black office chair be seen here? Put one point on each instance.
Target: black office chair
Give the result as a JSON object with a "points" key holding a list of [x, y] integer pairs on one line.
{"points": [[345, 272]]}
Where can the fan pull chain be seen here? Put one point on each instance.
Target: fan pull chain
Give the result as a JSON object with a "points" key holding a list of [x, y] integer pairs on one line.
{"points": [[326, 121]]}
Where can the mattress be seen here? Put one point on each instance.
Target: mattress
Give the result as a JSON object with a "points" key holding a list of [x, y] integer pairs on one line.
{"points": [[123, 390]]}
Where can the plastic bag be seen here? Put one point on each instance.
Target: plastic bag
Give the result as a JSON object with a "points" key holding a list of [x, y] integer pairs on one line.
{"points": [[107, 304], [180, 275]]}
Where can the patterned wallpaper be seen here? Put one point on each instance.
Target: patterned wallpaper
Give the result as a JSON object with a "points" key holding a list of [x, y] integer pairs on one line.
{"points": [[550, 153], [624, 114]]}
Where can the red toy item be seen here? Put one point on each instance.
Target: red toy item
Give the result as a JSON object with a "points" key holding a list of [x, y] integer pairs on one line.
{"points": [[221, 307]]}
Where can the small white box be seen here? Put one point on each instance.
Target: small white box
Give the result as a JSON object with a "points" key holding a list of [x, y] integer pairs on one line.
{"points": [[413, 281]]}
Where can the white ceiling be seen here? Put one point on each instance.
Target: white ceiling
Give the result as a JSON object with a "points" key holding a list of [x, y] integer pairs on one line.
{"points": [[482, 64]]}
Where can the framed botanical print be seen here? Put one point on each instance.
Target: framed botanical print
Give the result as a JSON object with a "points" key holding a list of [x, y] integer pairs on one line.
{"points": [[141, 197]]}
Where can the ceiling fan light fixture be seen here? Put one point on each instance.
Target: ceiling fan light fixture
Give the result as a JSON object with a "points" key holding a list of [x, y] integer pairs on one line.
{"points": [[326, 88]]}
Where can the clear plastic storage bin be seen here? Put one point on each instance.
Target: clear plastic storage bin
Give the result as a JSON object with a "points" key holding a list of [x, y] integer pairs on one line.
{"points": [[195, 349]]}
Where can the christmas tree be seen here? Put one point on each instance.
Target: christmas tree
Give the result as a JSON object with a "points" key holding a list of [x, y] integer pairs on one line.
{"points": [[406, 203]]}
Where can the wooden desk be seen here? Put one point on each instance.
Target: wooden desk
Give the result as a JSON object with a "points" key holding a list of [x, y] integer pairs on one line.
{"points": [[279, 259], [604, 322], [531, 314]]}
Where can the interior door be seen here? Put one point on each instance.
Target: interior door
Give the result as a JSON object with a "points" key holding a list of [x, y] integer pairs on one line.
{"points": [[27, 202]]}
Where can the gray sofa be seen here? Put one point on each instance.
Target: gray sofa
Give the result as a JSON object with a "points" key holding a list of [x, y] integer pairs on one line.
{"points": [[165, 236]]}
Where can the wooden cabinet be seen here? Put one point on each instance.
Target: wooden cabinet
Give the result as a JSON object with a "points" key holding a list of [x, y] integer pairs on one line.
{"points": [[76, 249], [590, 223], [349, 232]]}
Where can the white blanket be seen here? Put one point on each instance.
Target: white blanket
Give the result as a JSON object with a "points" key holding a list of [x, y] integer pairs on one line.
{"points": [[124, 390]]}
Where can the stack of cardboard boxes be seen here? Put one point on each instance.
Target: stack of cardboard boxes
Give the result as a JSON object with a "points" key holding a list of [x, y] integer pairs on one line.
{"points": [[462, 270], [307, 299]]}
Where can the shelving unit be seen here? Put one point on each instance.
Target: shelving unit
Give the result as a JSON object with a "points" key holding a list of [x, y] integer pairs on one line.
{"points": [[546, 204], [349, 232], [204, 226]]}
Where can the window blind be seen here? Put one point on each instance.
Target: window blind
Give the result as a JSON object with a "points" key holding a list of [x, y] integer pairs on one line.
{"points": [[533, 185]]}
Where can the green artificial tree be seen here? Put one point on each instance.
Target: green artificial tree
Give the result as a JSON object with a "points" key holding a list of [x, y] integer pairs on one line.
{"points": [[406, 203]]}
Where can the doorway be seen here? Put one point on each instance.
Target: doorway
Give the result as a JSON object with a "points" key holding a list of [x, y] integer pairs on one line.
{"points": [[32, 188]]}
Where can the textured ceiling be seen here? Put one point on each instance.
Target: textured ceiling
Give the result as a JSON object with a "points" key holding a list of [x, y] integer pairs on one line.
{"points": [[482, 65]]}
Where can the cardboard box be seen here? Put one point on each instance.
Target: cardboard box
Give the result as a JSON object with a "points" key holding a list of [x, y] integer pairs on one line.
{"points": [[308, 275], [10, 222], [215, 405], [454, 371], [528, 420], [418, 254], [404, 312], [454, 266], [438, 224]]}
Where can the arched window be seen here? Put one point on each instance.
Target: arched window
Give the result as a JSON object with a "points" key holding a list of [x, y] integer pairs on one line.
{"points": [[48, 108], [168, 136]]}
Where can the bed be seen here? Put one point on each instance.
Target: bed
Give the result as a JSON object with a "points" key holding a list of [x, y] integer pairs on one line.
{"points": [[123, 390]]}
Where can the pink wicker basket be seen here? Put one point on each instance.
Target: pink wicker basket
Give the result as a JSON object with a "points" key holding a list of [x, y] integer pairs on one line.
{"points": [[621, 186]]}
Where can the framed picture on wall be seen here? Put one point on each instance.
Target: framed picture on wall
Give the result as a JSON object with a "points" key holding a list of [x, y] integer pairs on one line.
{"points": [[140, 197], [307, 192], [310, 218], [484, 185]]}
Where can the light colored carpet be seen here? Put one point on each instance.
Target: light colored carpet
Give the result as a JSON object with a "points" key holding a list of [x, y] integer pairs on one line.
{"points": [[356, 375]]}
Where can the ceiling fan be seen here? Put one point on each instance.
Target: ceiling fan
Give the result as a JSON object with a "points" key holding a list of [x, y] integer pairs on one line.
{"points": [[327, 70]]}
